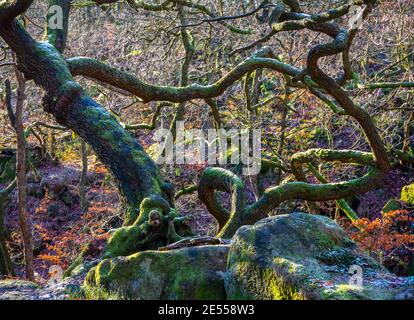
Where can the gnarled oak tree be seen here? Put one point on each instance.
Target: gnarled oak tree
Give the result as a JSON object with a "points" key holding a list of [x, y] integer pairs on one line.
{"points": [[151, 220]]}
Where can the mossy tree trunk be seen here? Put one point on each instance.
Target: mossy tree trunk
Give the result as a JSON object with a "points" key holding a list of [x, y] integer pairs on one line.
{"points": [[136, 174], [21, 154], [16, 119]]}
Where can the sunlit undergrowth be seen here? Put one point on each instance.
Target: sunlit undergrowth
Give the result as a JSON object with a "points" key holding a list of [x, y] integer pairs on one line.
{"points": [[97, 293], [390, 239]]}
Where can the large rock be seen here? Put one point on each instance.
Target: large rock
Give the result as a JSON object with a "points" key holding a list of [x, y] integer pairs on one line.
{"points": [[303, 256], [18, 290], [188, 273], [13, 289]]}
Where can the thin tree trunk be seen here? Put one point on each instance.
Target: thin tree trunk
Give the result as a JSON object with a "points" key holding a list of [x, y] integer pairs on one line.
{"points": [[25, 224], [281, 145], [189, 52]]}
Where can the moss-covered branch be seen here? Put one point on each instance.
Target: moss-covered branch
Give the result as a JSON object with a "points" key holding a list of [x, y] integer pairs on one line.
{"points": [[218, 179], [338, 45], [341, 203], [389, 85], [140, 4], [102, 72], [311, 192], [327, 155]]}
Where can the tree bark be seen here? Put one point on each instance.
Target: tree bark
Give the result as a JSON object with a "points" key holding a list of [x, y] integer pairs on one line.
{"points": [[24, 220]]}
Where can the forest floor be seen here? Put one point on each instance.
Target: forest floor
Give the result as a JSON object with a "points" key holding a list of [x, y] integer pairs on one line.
{"points": [[62, 230]]}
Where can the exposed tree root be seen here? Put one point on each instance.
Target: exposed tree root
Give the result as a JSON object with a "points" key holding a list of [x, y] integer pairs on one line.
{"points": [[193, 242]]}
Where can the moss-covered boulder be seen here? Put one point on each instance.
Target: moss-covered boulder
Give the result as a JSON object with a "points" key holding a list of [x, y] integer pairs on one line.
{"points": [[303, 256], [188, 273], [407, 194]]}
